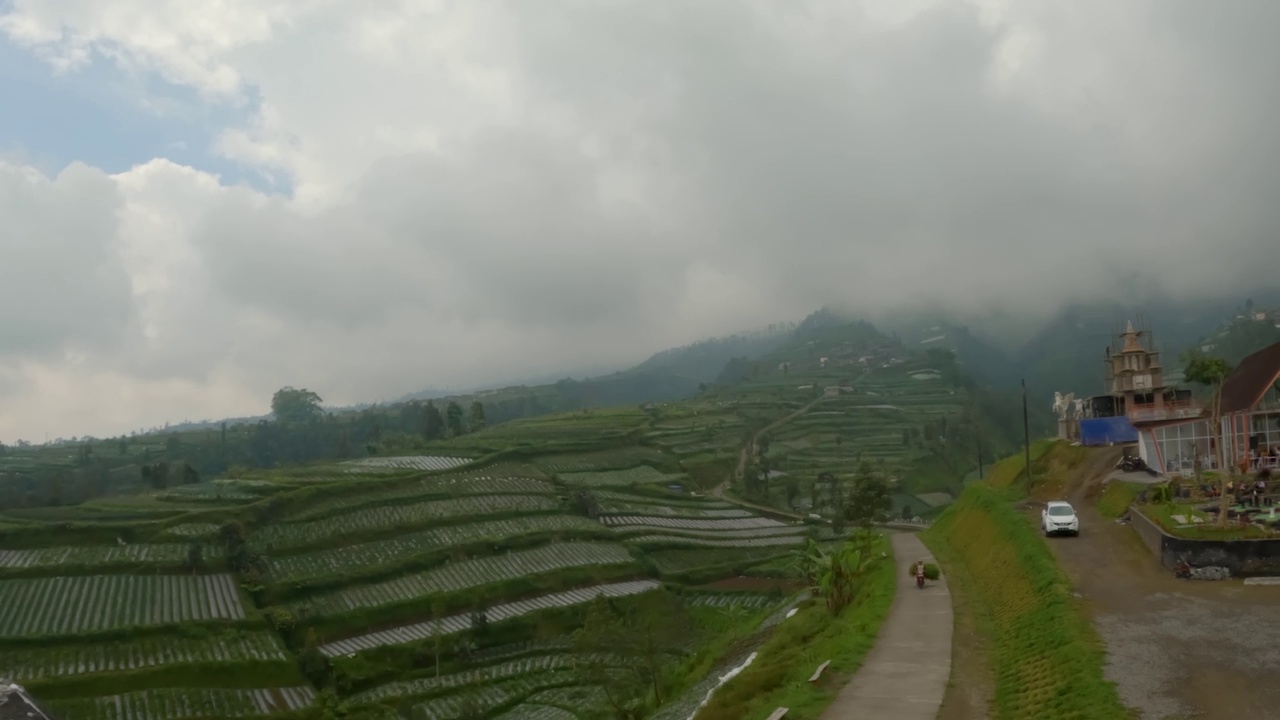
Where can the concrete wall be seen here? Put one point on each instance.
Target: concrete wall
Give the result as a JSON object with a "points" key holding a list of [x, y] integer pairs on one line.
{"points": [[1242, 557]]}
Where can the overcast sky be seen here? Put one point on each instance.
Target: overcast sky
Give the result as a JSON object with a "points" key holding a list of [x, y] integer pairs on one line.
{"points": [[202, 202]]}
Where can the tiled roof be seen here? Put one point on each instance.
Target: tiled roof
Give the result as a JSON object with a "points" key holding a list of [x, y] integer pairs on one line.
{"points": [[1245, 386], [16, 704]]}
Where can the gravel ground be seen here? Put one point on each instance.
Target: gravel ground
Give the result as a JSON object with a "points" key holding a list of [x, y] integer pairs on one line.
{"points": [[1175, 648]]}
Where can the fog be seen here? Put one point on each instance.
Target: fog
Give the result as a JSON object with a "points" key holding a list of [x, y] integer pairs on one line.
{"points": [[480, 191]]}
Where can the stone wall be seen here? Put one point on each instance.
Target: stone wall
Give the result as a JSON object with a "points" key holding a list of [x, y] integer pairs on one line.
{"points": [[1242, 557]]}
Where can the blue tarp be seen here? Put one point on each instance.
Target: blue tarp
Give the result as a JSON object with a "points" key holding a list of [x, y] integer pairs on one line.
{"points": [[1104, 431]]}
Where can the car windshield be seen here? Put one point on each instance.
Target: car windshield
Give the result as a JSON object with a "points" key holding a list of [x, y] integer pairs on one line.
{"points": [[1060, 511]]}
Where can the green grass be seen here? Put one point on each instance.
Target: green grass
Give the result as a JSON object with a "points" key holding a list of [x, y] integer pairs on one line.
{"points": [[1162, 515], [1116, 498], [779, 675], [1046, 659]]}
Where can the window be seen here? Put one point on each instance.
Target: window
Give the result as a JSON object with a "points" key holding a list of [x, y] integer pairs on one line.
{"points": [[1061, 511]]}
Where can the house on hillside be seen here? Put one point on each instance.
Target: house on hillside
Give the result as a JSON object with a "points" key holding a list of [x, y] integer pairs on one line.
{"points": [[1137, 398], [16, 704], [1250, 408]]}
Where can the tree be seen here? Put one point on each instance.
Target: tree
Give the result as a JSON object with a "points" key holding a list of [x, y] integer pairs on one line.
{"points": [[453, 415], [640, 635], [291, 405], [477, 416], [189, 475], [433, 425], [1212, 372], [195, 557], [869, 498], [437, 631], [156, 475]]}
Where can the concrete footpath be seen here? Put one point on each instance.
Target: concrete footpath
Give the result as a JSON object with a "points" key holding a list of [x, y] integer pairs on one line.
{"points": [[905, 675]]}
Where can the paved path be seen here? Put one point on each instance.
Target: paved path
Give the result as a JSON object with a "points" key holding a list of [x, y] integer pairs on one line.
{"points": [[905, 675]]}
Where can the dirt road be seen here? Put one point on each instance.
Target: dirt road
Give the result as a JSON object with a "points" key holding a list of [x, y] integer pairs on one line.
{"points": [[1175, 648]]}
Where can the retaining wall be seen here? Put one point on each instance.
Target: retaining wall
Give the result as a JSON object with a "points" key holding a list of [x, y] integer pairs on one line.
{"points": [[1242, 557]]}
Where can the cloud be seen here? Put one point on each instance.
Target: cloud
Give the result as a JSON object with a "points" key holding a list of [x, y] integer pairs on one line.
{"points": [[481, 190]]}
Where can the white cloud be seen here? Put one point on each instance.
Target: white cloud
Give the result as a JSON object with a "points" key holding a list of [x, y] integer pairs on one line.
{"points": [[483, 189]]}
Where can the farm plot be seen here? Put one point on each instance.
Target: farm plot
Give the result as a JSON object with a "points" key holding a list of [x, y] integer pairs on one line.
{"points": [[26, 665], [409, 462], [681, 560], [192, 530], [537, 665], [667, 500], [70, 605], [94, 555], [505, 479], [692, 524], [490, 696], [616, 507], [301, 534], [459, 623], [714, 534], [466, 574], [371, 556], [181, 703], [726, 600], [775, 541], [642, 475], [534, 711], [583, 700], [617, 459]]}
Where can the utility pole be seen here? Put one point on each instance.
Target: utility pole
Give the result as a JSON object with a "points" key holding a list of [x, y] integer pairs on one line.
{"points": [[1026, 429]]}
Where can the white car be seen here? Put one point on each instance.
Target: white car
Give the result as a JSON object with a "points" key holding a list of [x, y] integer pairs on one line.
{"points": [[1059, 518]]}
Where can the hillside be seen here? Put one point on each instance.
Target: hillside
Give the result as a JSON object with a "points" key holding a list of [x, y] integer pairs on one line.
{"points": [[448, 581]]}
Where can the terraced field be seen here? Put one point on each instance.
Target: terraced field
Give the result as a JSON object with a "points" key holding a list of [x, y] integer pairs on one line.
{"points": [[43, 607], [38, 663], [641, 475], [428, 463], [178, 704], [95, 556], [465, 575], [459, 623]]}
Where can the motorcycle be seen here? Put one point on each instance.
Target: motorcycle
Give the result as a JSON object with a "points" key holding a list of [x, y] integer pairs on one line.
{"points": [[1183, 571], [920, 575]]}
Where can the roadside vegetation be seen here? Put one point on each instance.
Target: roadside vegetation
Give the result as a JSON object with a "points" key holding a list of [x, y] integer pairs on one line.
{"points": [[1045, 659]]}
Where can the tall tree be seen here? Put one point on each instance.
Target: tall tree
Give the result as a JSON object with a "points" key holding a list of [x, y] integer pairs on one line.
{"points": [[433, 425], [453, 415], [1212, 372], [292, 405], [477, 416]]}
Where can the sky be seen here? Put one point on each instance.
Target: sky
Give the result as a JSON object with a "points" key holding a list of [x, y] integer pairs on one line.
{"points": [[203, 202]]}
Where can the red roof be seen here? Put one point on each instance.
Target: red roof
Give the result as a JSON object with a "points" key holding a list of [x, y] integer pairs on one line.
{"points": [[1244, 388]]}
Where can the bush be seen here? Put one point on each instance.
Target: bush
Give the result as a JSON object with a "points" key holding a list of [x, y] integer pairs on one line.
{"points": [[931, 571]]}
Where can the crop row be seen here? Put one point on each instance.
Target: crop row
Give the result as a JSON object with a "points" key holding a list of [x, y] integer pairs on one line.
{"points": [[409, 462], [626, 508], [641, 475], [602, 460], [668, 501], [458, 623], [165, 554], [39, 663], [467, 574], [190, 530], [776, 540], [489, 697], [722, 600], [691, 524], [507, 479], [183, 703], [538, 664], [685, 560], [533, 711], [713, 534], [300, 534], [70, 605], [386, 553], [584, 700]]}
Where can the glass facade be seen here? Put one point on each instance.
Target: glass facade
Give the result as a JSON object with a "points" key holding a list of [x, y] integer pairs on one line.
{"points": [[1180, 445]]}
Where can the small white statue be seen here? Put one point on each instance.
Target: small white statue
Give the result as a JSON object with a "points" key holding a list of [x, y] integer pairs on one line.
{"points": [[1057, 403], [1079, 402]]}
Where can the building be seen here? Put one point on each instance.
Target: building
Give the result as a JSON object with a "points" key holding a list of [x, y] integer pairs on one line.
{"points": [[1138, 399], [1249, 403], [16, 704]]}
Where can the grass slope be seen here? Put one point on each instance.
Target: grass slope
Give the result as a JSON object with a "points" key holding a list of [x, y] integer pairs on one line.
{"points": [[1046, 658]]}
